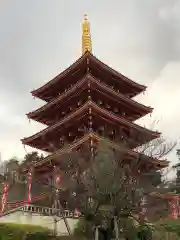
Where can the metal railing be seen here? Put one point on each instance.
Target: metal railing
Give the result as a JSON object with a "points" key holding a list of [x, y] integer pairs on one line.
{"points": [[44, 211]]}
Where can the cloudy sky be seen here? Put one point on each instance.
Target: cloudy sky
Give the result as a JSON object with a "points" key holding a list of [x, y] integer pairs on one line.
{"points": [[40, 38]]}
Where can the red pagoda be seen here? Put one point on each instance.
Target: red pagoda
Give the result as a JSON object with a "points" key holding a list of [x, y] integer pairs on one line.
{"points": [[86, 103]]}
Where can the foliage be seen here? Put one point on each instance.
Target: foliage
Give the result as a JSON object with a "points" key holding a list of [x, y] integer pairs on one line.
{"points": [[31, 158], [144, 232], [104, 187], [172, 226], [108, 188], [130, 231], [83, 228], [23, 232]]}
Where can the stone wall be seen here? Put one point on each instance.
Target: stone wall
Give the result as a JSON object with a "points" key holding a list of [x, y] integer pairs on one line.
{"points": [[21, 217]]}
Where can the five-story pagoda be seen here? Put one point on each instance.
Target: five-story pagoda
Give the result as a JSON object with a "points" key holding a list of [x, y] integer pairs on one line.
{"points": [[86, 103]]}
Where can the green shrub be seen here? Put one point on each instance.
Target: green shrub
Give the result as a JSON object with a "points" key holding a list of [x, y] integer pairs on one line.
{"points": [[144, 232], [9, 231], [171, 226], [83, 228]]}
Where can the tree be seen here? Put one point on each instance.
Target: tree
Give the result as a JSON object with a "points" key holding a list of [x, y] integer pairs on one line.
{"points": [[106, 190], [31, 158], [75, 169]]}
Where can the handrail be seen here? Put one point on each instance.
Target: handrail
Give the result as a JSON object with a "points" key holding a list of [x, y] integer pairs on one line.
{"points": [[44, 211]]}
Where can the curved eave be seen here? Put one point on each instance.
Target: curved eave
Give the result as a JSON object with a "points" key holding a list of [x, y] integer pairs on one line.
{"points": [[36, 92], [62, 97], [101, 112], [166, 196], [126, 80], [140, 88], [158, 164], [79, 85]]}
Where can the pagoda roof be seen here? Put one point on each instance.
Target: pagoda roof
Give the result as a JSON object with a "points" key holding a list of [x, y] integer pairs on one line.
{"points": [[96, 85], [85, 58], [166, 196], [84, 110], [55, 157]]}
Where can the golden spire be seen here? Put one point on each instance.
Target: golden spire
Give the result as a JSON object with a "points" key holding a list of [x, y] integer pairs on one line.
{"points": [[86, 36]]}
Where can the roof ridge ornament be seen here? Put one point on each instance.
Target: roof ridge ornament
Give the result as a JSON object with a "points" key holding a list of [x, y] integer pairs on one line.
{"points": [[86, 36]]}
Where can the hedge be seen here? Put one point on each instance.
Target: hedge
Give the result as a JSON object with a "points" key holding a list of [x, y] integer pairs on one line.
{"points": [[10, 231]]}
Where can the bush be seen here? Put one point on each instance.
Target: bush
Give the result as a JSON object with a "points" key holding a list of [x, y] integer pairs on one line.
{"points": [[83, 228], [171, 226], [9, 231], [144, 232]]}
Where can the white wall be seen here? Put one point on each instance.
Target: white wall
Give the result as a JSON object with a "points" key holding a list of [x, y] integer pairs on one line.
{"points": [[37, 219]]}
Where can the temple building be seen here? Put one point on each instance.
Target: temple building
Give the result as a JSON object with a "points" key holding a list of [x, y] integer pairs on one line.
{"points": [[88, 102]]}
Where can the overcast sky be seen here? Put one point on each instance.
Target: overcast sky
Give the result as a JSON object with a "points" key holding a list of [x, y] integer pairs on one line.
{"points": [[40, 38]]}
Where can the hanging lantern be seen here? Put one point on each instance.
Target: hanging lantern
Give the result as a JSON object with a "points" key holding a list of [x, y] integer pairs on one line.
{"points": [[29, 185], [58, 179], [77, 213], [4, 197], [174, 207]]}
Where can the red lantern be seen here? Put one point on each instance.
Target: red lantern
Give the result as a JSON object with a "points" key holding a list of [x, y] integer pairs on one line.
{"points": [[58, 179], [77, 213]]}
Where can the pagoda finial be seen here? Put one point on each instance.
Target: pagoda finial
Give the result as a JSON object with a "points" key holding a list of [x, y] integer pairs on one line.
{"points": [[86, 36]]}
